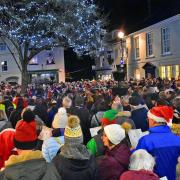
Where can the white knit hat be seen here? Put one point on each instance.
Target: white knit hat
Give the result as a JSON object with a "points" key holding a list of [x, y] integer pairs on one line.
{"points": [[60, 119], [115, 133]]}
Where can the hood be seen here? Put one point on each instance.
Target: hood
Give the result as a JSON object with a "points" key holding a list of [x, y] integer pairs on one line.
{"points": [[121, 153], [26, 166], [3, 123], [76, 164]]}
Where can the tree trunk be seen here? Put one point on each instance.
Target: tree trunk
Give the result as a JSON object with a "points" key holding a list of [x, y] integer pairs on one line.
{"points": [[25, 79]]}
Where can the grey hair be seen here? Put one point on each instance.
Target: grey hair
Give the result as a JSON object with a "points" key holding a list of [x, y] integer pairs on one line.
{"points": [[141, 159], [67, 102]]}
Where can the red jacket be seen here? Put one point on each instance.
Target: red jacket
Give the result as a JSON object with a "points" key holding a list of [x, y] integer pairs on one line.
{"points": [[6, 145], [139, 175], [114, 163]]}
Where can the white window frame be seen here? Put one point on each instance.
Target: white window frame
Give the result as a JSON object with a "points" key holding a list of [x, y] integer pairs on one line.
{"points": [[149, 44], [136, 47], [165, 41], [3, 66], [3, 46]]}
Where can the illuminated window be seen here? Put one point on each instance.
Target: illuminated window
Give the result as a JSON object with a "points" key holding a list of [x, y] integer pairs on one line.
{"points": [[138, 74], [33, 61], [136, 46], [177, 71], [4, 66], [169, 72], [162, 72]]}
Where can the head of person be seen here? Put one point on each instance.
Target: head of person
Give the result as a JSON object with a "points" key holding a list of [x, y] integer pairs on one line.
{"points": [[170, 94], [160, 115], [113, 135], [134, 101], [79, 101], [141, 160], [109, 117], [26, 133], [66, 102]]}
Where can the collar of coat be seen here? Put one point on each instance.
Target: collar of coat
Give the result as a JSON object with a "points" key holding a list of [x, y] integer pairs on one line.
{"points": [[25, 156]]}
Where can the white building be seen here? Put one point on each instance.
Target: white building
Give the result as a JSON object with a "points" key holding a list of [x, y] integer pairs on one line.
{"points": [[112, 52], [155, 50], [47, 65]]}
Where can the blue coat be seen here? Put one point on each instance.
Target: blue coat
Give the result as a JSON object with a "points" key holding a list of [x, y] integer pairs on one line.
{"points": [[165, 147], [139, 116]]}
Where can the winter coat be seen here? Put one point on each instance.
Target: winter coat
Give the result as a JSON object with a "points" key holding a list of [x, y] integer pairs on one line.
{"points": [[4, 124], [6, 145], [74, 169], [51, 146], [162, 144], [85, 123], [96, 146], [114, 163], [139, 116], [41, 111], [29, 166], [15, 116], [139, 175], [96, 119]]}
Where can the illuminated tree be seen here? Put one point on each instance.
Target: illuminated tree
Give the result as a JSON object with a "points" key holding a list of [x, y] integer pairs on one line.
{"points": [[36, 25]]}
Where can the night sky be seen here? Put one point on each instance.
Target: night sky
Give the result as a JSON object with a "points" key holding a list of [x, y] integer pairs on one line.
{"points": [[127, 15], [131, 15]]}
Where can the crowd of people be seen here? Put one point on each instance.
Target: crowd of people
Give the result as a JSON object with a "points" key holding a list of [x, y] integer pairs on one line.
{"points": [[80, 131]]}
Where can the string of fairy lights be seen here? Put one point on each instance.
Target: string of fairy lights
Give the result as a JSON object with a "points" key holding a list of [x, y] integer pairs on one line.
{"points": [[40, 24]]}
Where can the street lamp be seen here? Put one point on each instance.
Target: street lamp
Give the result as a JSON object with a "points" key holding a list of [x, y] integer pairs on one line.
{"points": [[120, 35]]}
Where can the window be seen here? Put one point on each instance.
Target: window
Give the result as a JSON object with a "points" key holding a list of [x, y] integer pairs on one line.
{"points": [[165, 40], [50, 59], [2, 46], [34, 61], [149, 44], [169, 72], [177, 71], [4, 66], [162, 72], [136, 45]]}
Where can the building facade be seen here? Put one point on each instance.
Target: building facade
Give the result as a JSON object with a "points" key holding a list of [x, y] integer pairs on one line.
{"points": [[112, 53], [44, 67], [154, 51]]}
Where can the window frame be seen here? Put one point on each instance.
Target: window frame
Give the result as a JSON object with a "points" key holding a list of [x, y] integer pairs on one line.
{"points": [[149, 44], [2, 66], [136, 48], [165, 41]]}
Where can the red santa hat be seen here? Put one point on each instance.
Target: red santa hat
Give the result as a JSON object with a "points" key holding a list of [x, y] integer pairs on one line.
{"points": [[161, 114]]}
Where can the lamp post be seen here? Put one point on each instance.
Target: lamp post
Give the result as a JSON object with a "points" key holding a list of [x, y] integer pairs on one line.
{"points": [[121, 38]]}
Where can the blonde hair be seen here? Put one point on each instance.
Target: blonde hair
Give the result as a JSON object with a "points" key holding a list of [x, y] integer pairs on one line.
{"points": [[141, 159], [3, 115]]}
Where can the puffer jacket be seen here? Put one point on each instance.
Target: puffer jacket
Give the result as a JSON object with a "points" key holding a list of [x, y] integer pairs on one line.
{"points": [[114, 163], [51, 146], [29, 166]]}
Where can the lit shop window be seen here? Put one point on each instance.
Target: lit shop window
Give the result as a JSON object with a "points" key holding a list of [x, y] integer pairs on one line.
{"points": [[177, 71], [162, 72], [169, 72]]}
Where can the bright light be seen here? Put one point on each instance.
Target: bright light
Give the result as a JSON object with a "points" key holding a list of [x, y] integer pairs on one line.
{"points": [[120, 34], [2, 63]]}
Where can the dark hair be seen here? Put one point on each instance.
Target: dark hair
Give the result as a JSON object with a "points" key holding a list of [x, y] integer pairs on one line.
{"points": [[162, 102], [102, 106], [28, 115]]}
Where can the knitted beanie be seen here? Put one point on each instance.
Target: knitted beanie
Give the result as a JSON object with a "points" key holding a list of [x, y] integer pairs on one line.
{"points": [[25, 135], [115, 133], [109, 117], [73, 133]]}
